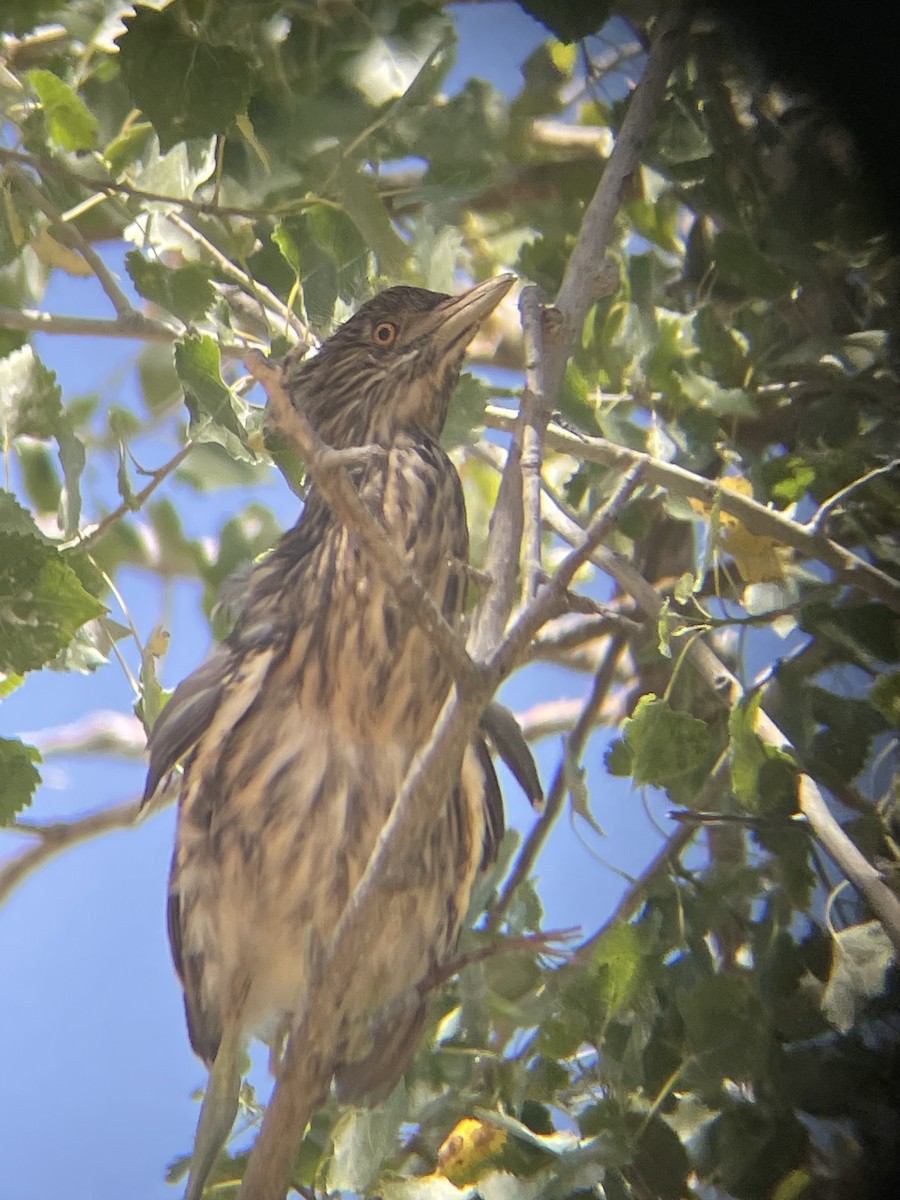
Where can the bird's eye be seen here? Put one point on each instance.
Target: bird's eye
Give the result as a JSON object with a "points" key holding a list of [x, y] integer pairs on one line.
{"points": [[384, 333]]}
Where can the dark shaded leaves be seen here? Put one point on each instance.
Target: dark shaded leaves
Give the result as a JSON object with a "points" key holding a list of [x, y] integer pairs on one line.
{"points": [[18, 777], [187, 86]]}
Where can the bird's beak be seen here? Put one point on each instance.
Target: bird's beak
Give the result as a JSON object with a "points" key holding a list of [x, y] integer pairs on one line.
{"points": [[455, 321]]}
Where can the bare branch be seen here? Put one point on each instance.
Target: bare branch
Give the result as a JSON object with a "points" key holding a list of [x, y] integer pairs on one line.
{"points": [[93, 534], [725, 686], [132, 324], [550, 600], [102, 732], [823, 513], [533, 417], [266, 297], [762, 521], [60, 836], [71, 236], [574, 748]]}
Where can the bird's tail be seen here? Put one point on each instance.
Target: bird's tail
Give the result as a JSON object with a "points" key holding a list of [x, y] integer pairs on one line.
{"points": [[217, 1113]]}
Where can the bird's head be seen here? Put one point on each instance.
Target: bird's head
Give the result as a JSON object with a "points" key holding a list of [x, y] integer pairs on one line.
{"points": [[393, 365]]}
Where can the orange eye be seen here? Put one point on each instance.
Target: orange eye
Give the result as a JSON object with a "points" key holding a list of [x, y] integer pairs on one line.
{"points": [[384, 333]]}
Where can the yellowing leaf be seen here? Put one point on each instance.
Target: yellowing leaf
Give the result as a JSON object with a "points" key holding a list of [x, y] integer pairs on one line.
{"points": [[467, 1148], [54, 254], [245, 125], [758, 559]]}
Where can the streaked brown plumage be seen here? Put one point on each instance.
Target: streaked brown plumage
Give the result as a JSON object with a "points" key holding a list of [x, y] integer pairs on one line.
{"points": [[299, 729]]}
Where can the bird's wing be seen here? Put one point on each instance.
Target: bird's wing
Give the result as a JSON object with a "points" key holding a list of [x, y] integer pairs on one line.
{"points": [[492, 799], [187, 715], [506, 736]]}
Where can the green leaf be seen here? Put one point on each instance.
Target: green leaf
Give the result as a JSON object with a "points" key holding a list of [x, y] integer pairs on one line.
{"points": [[363, 1139], [18, 777], [186, 85], [15, 519], [885, 696], [362, 203], [72, 459], [70, 123], [707, 394], [153, 696], [127, 148], [184, 291], [90, 648], [335, 233], [284, 238], [763, 778], [788, 478], [465, 416], [42, 603], [862, 955], [618, 959], [30, 403], [662, 744], [727, 1027], [213, 408], [569, 20]]}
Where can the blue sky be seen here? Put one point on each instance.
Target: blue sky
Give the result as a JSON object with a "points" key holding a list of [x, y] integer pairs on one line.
{"points": [[97, 1068]]}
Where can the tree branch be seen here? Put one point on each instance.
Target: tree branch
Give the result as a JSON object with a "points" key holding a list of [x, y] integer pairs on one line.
{"points": [[60, 836], [534, 413], [728, 690], [133, 324], [266, 296], [764, 522], [559, 790], [71, 236], [93, 534], [582, 284]]}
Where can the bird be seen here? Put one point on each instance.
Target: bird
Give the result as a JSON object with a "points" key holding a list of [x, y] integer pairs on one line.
{"points": [[298, 730]]}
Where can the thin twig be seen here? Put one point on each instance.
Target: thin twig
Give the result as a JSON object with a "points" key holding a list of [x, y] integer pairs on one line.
{"points": [[73, 237], [662, 862], [93, 534], [60, 836], [132, 324], [559, 790], [759, 520], [111, 187], [822, 514], [266, 296], [530, 943], [582, 281], [534, 414], [725, 686], [550, 600]]}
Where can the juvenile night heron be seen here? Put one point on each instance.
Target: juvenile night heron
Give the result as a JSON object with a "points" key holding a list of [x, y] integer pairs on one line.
{"points": [[299, 729]]}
